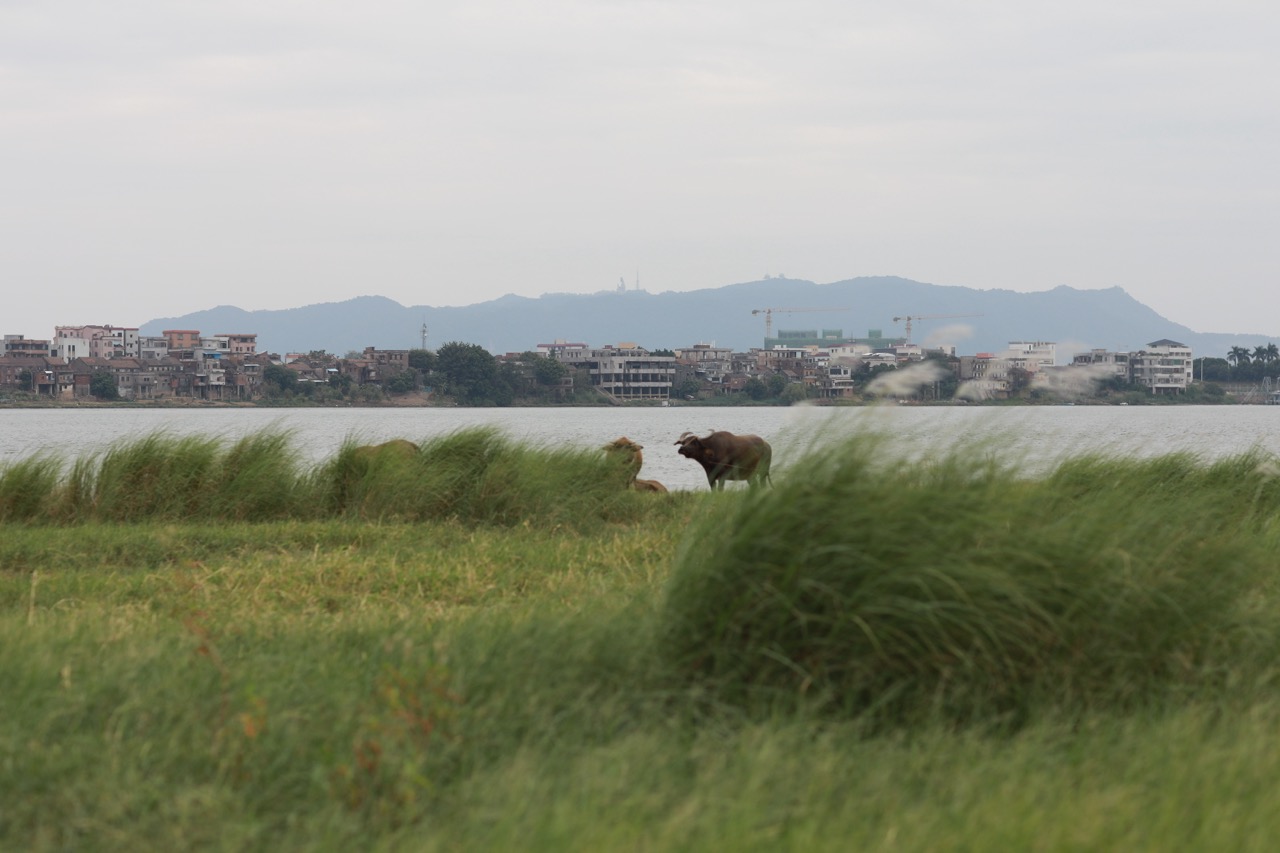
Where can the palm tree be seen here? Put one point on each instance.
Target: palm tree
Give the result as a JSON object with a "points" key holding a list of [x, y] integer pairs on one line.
{"points": [[1273, 353], [1260, 354], [1238, 356]]}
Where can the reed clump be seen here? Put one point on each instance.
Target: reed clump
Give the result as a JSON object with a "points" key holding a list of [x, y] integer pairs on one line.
{"points": [[955, 588], [25, 487], [477, 476]]}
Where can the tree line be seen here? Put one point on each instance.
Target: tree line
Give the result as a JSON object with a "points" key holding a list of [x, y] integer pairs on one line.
{"points": [[1241, 365], [468, 373]]}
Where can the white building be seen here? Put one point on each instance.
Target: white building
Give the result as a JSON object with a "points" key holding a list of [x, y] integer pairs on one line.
{"points": [[1164, 367], [1031, 356]]}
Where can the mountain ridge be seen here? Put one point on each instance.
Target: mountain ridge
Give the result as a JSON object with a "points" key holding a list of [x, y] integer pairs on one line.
{"points": [[1075, 319]]}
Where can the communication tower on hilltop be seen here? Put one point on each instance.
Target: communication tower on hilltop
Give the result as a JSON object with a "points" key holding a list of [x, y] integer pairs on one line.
{"points": [[424, 332]]}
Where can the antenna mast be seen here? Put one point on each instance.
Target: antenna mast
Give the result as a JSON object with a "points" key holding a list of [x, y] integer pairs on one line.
{"points": [[424, 332]]}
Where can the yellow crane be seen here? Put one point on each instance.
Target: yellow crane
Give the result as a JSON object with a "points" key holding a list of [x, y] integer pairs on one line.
{"points": [[909, 317], [768, 315]]}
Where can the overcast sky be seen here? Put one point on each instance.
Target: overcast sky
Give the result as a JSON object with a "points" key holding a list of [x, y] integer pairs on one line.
{"points": [[159, 158]]}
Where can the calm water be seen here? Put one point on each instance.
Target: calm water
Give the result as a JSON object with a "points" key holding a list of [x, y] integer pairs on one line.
{"points": [[1036, 435]]}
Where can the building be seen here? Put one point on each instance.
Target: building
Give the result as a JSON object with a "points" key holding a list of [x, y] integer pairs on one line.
{"points": [[704, 362], [1115, 363], [150, 348], [622, 372], [240, 343], [826, 338], [1164, 367], [136, 379], [1031, 356], [95, 342], [18, 345], [182, 338]]}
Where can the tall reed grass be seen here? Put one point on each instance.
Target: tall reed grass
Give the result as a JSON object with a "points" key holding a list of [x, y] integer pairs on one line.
{"points": [[476, 476], [473, 681], [956, 588]]}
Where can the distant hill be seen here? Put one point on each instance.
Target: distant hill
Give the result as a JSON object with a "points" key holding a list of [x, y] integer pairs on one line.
{"points": [[1076, 320]]}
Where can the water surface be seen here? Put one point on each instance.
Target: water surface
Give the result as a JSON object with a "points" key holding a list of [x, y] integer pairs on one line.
{"points": [[1034, 434]]}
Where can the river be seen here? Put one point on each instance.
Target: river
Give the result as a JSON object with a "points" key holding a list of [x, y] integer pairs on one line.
{"points": [[1035, 435]]}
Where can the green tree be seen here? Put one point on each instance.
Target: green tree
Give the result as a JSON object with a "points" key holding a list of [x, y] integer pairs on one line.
{"points": [[1238, 356], [26, 380], [688, 389], [103, 385], [401, 383], [1019, 381], [777, 384], [1211, 369], [471, 375], [341, 383], [278, 379], [422, 359], [755, 388], [795, 392], [546, 371]]}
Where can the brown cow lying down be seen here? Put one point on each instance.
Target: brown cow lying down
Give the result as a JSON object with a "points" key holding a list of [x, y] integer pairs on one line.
{"points": [[627, 454], [396, 448], [725, 456]]}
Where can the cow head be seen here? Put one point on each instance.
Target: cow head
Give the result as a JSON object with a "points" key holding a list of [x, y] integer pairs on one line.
{"points": [[695, 448]]}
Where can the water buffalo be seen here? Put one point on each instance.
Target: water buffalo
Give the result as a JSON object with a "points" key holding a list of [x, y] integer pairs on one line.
{"points": [[627, 454], [725, 456], [396, 448]]}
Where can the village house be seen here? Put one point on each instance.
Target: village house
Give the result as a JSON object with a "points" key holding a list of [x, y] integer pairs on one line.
{"points": [[18, 345]]}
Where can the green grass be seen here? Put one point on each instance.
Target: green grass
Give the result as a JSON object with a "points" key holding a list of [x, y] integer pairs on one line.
{"points": [[478, 476], [955, 587], [877, 653]]}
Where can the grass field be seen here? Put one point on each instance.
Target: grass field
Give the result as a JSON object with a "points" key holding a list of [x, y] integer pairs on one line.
{"points": [[477, 645]]}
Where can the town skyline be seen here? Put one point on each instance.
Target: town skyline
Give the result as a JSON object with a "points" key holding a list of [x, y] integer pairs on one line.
{"points": [[740, 316]]}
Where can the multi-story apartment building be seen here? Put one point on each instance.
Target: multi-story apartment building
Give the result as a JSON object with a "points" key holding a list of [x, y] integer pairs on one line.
{"points": [[67, 345], [562, 350], [1115, 363], [1164, 367], [96, 342], [624, 372], [983, 376], [182, 338], [18, 345], [240, 343], [1032, 356], [151, 347]]}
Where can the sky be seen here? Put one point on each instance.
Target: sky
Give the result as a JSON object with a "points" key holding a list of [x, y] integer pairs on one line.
{"points": [[161, 158]]}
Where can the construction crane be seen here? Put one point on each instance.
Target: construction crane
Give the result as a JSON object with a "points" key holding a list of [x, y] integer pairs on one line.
{"points": [[768, 315], [908, 318]]}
